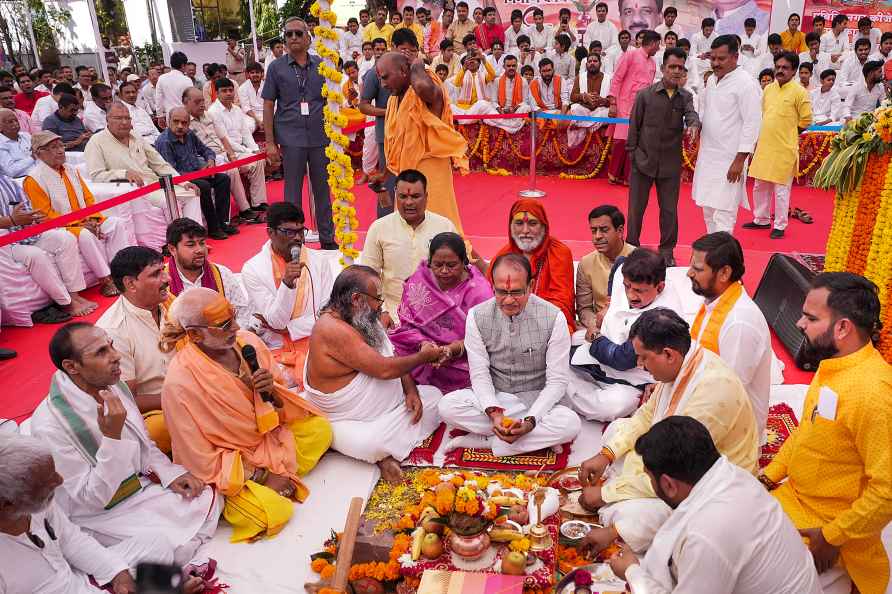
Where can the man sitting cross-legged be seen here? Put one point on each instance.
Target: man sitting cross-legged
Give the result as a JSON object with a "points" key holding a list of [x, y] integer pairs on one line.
{"points": [[512, 94], [100, 445], [589, 98], [243, 432], [639, 285], [472, 83], [694, 382], [287, 283], [377, 412], [725, 534], [518, 352]]}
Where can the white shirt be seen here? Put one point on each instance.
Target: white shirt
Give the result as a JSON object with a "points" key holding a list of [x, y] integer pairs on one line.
{"points": [[731, 118], [64, 563], [547, 94], [605, 32], [143, 126], [511, 36], [611, 57], [729, 536], [557, 363], [349, 43], [365, 66], [146, 98], [754, 40], [44, 107], [497, 64], [876, 55], [564, 65], [821, 64], [850, 73], [169, 91], [88, 98], [858, 98], [873, 36], [662, 29], [275, 304], [701, 44], [250, 99], [232, 124], [826, 107], [832, 44], [541, 39], [94, 117]]}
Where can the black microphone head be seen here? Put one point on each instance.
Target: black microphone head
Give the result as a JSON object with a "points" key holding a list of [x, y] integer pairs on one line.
{"points": [[250, 355]]}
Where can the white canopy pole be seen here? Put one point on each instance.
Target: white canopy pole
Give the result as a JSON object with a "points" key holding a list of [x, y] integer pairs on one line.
{"points": [[100, 49], [32, 37], [253, 31]]}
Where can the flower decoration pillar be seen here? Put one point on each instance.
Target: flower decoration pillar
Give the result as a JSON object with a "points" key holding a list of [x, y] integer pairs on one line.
{"points": [[340, 170]]}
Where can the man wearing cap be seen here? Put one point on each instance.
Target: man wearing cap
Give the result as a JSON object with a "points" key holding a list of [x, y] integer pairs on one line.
{"points": [[56, 188]]}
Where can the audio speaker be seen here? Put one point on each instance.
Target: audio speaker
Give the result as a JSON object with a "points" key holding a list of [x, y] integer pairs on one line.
{"points": [[780, 296]]}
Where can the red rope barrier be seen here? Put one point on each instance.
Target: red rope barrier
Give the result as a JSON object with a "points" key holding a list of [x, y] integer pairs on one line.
{"points": [[83, 213], [494, 116]]}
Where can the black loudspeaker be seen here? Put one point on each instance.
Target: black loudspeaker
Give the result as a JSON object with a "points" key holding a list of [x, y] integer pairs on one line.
{"points": [[780, 296]]}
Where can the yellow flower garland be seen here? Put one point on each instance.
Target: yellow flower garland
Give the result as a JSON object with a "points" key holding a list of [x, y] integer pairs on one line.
{"points": [[340, 168]]}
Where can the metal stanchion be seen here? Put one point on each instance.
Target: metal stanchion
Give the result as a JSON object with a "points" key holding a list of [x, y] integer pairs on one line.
{"points": [[532, 192], [170, 195]]}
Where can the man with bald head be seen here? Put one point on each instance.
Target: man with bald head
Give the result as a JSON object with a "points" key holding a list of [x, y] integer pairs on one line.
{"points": [[377, 412], [183, 150], [418, 129], [119, 153], [243, 432], [15, 146]]}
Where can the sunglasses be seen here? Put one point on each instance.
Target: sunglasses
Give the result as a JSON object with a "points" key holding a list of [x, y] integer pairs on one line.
{"points": [[294, 33], [223, 326]]}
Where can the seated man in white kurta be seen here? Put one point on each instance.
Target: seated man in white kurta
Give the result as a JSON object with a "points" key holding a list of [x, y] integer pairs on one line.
{"points": [[726, 533], [287, 283], [693, 382], [377, 412], [588, 98], [512, 95], [100, 445], [638, 285], [518, 352]]}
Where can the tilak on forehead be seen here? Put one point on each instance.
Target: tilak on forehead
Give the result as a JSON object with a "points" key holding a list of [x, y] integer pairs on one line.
{"points": [[218, 311], [525, 217]]}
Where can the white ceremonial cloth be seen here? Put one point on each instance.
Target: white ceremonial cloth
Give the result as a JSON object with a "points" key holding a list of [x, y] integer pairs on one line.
{"points": [[369, 417], [731, 117], [276, 303], [728, 537], [88, 487], [64, 562]]}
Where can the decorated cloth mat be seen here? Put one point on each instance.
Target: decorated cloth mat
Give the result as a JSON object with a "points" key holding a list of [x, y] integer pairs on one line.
{"points": [[814, 262], [479, 458], [781, 423], [423, 454]]}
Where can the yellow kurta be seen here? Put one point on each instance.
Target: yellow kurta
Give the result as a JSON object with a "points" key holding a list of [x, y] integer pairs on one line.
{"points": [[459, 82], [371, 32], [715, 397], [793, 42], [840, 471], [785, 109], [416, 138]]}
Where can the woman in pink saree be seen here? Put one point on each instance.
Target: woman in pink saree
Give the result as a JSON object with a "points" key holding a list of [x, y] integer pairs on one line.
{"points": [[434, 308]]}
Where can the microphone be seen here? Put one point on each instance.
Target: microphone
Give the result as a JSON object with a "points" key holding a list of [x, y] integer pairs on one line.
{"points": [[295, 253], [250, 355]]}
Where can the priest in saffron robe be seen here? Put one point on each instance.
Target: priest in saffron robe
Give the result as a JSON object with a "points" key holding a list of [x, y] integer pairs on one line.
{"points": [[693, 382], [550, 258], [512, 96], [244, 433], [419, 133], [189, 267], [549, 92], [472, 84]]}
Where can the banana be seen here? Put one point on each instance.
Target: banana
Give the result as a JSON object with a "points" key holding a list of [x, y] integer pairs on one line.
{"points": [[427, 514], [506, 500], [504, 535], [417, 538]]}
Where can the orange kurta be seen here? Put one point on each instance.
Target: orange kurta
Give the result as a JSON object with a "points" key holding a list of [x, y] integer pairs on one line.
{"points": [[416, 138], [41, 201]]}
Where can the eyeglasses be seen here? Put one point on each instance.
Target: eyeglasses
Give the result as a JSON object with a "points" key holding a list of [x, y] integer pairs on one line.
{"points": [[294, 33], [287, 232], [516, 293], [380, 300], [224, 326]]}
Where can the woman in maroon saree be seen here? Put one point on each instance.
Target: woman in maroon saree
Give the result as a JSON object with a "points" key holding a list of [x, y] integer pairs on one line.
{"points": [[434, 308]]}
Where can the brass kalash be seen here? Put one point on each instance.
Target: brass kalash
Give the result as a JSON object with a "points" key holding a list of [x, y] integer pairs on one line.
{"points": [[540, 538]]}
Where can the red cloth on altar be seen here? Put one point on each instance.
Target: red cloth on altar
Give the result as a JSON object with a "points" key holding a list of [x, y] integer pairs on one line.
{"points": [[552, 263]]}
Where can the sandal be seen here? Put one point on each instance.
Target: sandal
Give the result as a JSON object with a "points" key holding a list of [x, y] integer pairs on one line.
{"points": [[798, 213], [50, 315]]}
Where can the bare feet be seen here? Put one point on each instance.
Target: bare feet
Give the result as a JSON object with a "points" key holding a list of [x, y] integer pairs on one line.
{"points": [[108, 288], [391, 470], [79, 306]]}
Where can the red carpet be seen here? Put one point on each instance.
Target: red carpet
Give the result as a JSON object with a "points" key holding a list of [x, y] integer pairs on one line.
{"points": [[484, 201]]}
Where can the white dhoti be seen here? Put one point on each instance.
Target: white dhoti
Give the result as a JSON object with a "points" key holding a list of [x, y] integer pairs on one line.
{"points": [[369, 148], [151, 218], [20, 294], [54, 262], [599, 401], [578, 129], [512, 125], [97, 252], [369, 417], [479, 107], [559, 425], [718, 219]]}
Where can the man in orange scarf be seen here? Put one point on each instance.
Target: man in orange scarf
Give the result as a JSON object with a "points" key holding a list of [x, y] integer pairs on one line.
{"points": [[419, 133], [512, 96], [549, 92], [240, 430], [550, 259]]}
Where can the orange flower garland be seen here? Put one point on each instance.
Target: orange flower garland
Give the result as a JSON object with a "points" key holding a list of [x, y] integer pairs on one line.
{"points": [[605, 151], [571, 162], [865, 216]]}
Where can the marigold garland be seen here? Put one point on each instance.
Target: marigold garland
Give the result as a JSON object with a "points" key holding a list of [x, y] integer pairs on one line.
{"points": [[605, 151], [571, 162], [340, 168]]}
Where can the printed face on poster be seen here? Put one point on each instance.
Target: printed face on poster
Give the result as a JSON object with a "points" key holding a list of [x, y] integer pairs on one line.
{"points": [[632, 15], [880, 14]]}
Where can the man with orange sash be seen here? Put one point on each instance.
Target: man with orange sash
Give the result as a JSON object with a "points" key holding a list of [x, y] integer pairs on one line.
{"points": [[287, 283], [512, 96], [729, 322], [243, 432], [550, 258], [549, 92], [350, 89], [693, 382], [472, 85], [419, 133], [189, 267]]}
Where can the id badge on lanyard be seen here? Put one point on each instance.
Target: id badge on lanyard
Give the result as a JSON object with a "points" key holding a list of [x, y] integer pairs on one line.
{"points": [[302, 89]]}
